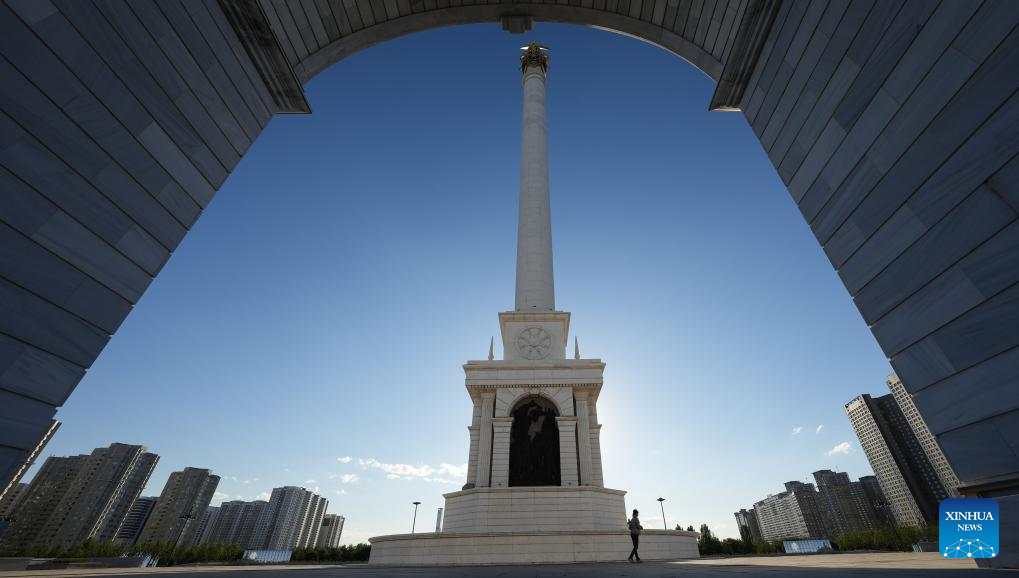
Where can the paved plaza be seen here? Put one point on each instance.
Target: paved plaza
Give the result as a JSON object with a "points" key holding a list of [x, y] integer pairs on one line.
{"points": [[867, 564]]}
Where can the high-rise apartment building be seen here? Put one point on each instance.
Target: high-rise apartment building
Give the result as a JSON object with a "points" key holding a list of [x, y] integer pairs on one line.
{"points": [[235, 523], [908, 480], [794, 513], [135, 520], [931, 448], [780, 517], [331, 531], [876, 502], [131, 487], [180, 507], [313, 521], [11, 500], [811, 507], [17, 468], [50, 484], [749, 528], [842, 508], [201, 533], [87, 496], [837, 506], [291, 520]]}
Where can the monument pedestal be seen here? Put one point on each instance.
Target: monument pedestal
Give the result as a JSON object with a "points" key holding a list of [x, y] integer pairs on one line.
{"points": [[452, 549], [534, 509], [531, 525]]}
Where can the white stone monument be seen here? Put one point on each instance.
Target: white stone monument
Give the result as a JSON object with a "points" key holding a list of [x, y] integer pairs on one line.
{"points": [[534, 490]]}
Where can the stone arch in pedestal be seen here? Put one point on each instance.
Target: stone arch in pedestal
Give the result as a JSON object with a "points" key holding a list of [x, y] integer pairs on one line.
{"points": [[534, 458]]}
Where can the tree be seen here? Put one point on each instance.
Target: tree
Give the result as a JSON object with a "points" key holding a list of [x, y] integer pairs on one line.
{"points": [[708, 543], [892, 538]]}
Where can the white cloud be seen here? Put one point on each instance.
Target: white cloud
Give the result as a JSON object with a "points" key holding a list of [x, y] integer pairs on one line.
{"points": [[310, 482], [344, 460], [819, 428], [842, 448], [263, 496], [407, 472], [797, 429], [398, 469], [340, 492], [349, 478], [453, 471], [442, 481], [220, 496]]}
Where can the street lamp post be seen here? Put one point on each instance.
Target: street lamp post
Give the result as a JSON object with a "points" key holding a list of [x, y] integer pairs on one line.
{"points": [[414, 524], [661, 502]]}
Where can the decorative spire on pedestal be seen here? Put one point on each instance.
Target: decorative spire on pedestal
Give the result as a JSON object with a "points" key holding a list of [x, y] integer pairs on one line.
{"points": [[491, 348], [576, 348]]}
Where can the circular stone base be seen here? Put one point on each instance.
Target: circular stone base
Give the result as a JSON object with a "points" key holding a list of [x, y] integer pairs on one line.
{"points": [[445, 549]]}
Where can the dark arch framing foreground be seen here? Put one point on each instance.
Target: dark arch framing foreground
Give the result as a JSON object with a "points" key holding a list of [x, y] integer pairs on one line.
{"points": [[893, 124]]}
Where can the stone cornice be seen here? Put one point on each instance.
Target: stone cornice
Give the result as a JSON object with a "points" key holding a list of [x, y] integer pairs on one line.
{"points": [[249, 22], [753, 31], [540, 489], [502, 364], [487, 386]]}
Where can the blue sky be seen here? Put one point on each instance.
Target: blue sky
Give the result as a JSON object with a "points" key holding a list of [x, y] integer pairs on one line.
{"points": [[323, 305]]}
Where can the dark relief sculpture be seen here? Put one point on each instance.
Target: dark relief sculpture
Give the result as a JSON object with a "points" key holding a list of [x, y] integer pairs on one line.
{"points": [[534, 444]]}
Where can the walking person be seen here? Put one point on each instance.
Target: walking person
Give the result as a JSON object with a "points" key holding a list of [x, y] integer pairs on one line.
{"points": [[635, 529]]}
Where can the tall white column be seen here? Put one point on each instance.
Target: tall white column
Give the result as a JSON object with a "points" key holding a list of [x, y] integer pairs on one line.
{"points": [[485, 440], [584, 438], [567, 450], [472, 461], [535, 291], [501, 427], [597, 478]]}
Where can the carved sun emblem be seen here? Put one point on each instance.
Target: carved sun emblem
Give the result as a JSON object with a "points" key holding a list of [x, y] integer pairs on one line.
{"points": [[534, 343]]}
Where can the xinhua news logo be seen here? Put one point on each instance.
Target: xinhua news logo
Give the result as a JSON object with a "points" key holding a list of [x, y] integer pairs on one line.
{"points": [[968, 528]]}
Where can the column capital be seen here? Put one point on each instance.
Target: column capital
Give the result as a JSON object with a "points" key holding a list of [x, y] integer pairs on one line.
{"points": [[535, 56]]}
